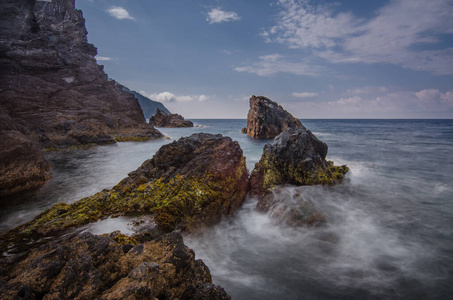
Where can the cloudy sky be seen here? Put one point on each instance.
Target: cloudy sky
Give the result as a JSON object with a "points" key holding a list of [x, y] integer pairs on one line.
{"points": [[318, 58]]}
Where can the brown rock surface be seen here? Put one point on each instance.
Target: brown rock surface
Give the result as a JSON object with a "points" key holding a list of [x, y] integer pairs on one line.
{"points": [[51, 88], [266, 119], [162, 119], [86, 266]]}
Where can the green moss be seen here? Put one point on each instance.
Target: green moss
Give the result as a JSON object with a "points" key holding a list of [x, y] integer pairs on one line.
{"points": [[180, 201], [131, 138], [70, 147]]}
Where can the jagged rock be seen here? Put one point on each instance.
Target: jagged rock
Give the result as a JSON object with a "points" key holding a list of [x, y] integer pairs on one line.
{"points": [[266, 119], [162, 119], [190, 183], [296, 157], [86, 266], [51, 88]]}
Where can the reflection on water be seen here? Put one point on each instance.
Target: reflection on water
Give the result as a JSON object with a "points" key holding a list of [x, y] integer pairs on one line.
{"points": [[389, 233]]}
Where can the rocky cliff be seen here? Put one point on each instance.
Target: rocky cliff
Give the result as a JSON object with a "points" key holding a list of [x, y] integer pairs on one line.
{"points": [[53, 94], [162, 119], [266, 119]]}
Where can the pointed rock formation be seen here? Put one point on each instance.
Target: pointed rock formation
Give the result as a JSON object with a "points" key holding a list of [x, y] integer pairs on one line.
{"points": [[162, 119], [266, 119]]}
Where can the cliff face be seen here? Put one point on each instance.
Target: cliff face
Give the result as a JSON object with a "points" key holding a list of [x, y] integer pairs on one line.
{"points": [[51, 89], [266, 119]]}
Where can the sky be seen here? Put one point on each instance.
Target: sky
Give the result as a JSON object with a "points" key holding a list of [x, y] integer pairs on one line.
{"points": [[318, 59]]}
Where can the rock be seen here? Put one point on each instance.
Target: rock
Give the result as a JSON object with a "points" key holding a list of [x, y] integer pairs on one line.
{"points": [[148, 106], [86, 266], [296, 157], [162, 119], [51, 88], [193, 182], [266, 119], [288, 208]]}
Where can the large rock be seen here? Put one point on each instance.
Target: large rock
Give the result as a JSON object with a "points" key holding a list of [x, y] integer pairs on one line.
{"points": [[51, 88], [296, 157], [190, 183], [96, 267], [163, 119], [266, 119]]}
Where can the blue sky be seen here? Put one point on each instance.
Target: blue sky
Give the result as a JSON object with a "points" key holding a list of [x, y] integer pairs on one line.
{"points": [[318, 59]]}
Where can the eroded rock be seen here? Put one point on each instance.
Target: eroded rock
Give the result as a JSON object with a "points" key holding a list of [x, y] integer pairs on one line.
{"points": [[266, 119], [190, 183], [86, 266], [162, 119]]}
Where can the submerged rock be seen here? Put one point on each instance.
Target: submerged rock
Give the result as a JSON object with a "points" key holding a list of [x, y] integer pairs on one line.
{"points": [[266, 119], [52, 90], [296, 157], [193, 182], [290, 208], [162, 119], [86, 266]]}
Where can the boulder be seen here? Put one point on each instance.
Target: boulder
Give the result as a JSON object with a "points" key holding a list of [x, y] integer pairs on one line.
{"points": [[86, 266], [51, 88], [266, 119], [193, 182], [162, 119], [296, 157]]}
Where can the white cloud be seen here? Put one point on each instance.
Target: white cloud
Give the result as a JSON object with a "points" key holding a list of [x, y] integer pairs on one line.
{"points": [[275, 63], [102, 58], [391, 36], [427, 103], [216, 15], [167, 97], [119, 13], [366, 90], [304, 95]]}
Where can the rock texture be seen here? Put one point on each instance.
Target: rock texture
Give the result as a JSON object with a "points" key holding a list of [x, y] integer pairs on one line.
{"points": [[162, 119], [96, 267], [190, 183], [296, 157], [266, 119], [52, 91]]}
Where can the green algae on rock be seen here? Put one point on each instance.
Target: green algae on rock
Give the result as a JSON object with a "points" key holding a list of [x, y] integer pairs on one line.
{"points": [[192, 182], [296, 157]]}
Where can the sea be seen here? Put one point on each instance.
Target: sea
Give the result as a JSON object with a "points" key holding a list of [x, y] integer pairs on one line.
{"points": [[389, 230]]}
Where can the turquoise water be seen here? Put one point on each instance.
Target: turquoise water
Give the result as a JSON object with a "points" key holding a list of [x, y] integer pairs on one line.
{"points": [[390, 226]]}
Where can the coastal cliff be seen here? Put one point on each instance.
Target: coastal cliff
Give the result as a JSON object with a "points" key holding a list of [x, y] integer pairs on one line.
{"points": [[53, 94]]}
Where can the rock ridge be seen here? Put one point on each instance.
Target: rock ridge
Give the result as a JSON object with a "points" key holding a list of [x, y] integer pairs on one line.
{"points": [[163, 119]]}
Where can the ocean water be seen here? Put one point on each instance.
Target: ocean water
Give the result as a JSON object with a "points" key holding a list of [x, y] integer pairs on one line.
{"points": [[389, 233]]}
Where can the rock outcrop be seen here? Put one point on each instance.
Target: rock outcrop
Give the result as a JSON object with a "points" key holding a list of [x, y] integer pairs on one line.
{"points": [[86, 266], [190, 183], [162, 119], [148, 106], [266, 119], [52, 90], [296, 157]]}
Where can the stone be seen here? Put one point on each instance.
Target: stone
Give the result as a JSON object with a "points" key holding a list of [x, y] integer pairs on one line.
{"points": [[162, 119], [87, 266], [266, 119], [296, 157], [52, 90], [190, 183]]}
